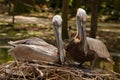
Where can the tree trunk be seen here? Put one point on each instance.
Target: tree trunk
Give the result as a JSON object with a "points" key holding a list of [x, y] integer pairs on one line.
{"points": [[94, 16], [9, 8], [75, 5], [13, 18], [13, 13], [65, 19]]}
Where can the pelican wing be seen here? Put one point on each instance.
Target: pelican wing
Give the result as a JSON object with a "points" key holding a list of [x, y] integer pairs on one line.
{"points": [[33, 52], [29, 41], [99, 47], [33, 41], [34, 49]]}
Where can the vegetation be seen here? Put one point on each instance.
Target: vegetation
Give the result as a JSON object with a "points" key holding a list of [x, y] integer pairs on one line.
{"points": [[103, 16], [22, 6], [110, 8]]}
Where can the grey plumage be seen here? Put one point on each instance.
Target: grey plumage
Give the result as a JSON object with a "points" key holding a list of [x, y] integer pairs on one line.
{"points": [[37, 49], [84, 48]]}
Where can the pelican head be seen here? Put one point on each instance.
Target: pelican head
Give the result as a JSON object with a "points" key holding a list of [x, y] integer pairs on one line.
{"points": [[57, 26], [81, 24]]}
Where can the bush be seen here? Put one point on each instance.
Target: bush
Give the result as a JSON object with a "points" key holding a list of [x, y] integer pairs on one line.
{"points": [[21, 6]]}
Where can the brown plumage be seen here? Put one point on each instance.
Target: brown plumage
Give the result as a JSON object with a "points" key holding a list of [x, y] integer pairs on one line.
{"points": [[37, 49], [83, 48], [34, 49]]}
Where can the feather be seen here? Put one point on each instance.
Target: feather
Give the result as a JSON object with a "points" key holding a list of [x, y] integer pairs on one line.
{"points": [[99, 47]]}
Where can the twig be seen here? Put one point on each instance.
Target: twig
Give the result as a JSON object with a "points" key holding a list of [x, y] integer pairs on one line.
{"points": [[19, 68], [118, 74]]}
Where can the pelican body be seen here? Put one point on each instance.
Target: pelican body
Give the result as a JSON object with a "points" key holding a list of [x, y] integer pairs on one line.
{"points": [[37, 49], [83, 48]]}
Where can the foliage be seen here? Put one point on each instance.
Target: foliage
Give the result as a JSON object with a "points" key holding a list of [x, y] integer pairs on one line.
{"points": [[116, 11], [116, 4], [1, 0], [23, 6], [106, 7], [4, 57]]}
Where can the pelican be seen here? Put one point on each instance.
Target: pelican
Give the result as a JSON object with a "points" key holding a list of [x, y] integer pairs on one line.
{"points": [[37, 49], [83, 48]]}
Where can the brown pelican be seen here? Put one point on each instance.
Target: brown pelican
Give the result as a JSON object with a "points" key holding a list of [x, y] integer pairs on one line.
{"points": [[83, 48], [37, 49]]}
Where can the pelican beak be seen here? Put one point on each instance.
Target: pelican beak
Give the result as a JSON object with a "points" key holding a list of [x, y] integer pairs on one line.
{"points": [[57, 26], [84, 40], [81, 24]]}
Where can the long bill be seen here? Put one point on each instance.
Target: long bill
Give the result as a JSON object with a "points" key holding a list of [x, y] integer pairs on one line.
{"points": [[82, 34], [58, 31]]}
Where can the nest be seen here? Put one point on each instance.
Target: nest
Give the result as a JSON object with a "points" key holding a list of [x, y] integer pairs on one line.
{"points": [[33, 70]]}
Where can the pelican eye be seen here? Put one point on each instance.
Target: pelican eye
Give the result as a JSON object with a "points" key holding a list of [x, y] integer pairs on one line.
{"points": [[55, 23]]}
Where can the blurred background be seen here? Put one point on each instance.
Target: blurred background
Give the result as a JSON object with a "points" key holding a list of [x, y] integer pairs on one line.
{"points": [[21, 19]]}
